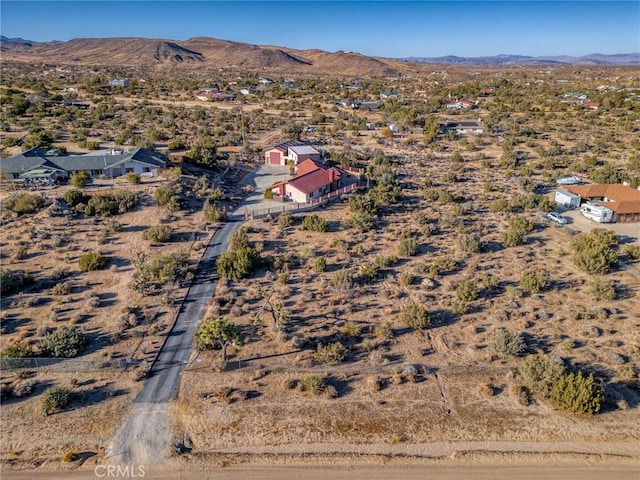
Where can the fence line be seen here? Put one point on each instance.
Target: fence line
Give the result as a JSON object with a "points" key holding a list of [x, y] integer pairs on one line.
{"points": [[69, 364], [299, 207]]}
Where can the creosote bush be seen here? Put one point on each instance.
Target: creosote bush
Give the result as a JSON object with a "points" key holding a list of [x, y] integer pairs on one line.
{"points": [[602, 289], [65, 342], [415, 316], [166, 197], [92, 261], [17, 350], [534, 282], [315, 223], [408, 247], [285, 219], [13, 280], [332, 354], [467, 291], [24, 203], [470, 243], [577, 393], [212, 213], [508, 344], [55, 399], [157, 233], [320, 264], [133, 178]]}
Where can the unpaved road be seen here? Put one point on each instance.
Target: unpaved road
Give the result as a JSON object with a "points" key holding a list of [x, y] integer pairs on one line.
{"points": [[144, 437]]}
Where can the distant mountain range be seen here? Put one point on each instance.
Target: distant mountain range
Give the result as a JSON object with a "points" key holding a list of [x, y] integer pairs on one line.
{"points": [[211, 52], [592, 59]]}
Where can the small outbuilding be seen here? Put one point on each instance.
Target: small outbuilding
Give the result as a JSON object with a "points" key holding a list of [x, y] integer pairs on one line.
{"points": [[567, 199]]}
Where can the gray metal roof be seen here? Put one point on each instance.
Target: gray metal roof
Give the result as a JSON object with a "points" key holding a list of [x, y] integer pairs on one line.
{"points": [[70, 163]]}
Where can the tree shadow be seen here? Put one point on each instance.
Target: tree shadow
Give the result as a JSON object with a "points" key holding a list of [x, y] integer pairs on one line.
{"points": [[343, 386], [442, 318]]}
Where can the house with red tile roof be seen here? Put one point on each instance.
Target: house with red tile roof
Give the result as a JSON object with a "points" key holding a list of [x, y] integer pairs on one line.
{"points": [[312, 181], [623, 200]]}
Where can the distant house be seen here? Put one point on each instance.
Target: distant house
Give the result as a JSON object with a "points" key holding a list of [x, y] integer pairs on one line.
{"points": [[623, 200], [119, 82], [312, 181], [294, 150], [591, 105], [214, 96], [35, 166], [389, 94], [462, 127], [460, 104]]}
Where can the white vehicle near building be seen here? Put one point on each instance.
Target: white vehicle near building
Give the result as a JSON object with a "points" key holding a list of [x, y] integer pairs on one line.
{"points": [[597, 213], [567, 199]]}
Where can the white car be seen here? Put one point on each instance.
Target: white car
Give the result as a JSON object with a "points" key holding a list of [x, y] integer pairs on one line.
{"points": [[556, 217]]}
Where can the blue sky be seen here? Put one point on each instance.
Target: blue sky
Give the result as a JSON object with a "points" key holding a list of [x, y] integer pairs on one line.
{"points": [[380, 28]]}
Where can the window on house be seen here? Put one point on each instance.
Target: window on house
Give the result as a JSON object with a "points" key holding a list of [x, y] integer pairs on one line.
{"points": [[146, 169]]}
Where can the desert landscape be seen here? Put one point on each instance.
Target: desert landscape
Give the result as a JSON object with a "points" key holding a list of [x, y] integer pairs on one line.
{"points": [[432, 316]]}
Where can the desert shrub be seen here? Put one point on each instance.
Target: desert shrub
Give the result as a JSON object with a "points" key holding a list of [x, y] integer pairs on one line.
{"points": [[216, 194], [315, 223], [385, 261], [517, 231], [577, 393], [602, 289], [314, 384], [92, 261], [523, 201], [268, 194], [74, 197], [55, 399], [285, 219], [342, 279], [508, 344], [133, 178], [382, 331], [368, 272], [490, 282], [500, 205], [201, 185], [170, 267], [361, 221], [594, 252], [70, 457], [212, 213], [13, 280], [470, 243], [107, 204], [539, 374], [534, 282], [65, 342], [459, 307], [320, 264], [21, 252], [467, 291], [545, 204], [239, 263], [407, 279], [415, 316], [113, 226], [17, 350], [24, 203], [61, 288], [632, 252], [442, 265], [351, 329], [157, 233], [332, 354], [79, 179], [166, 197], [176, 144], [24, 388], [408, 246], [239, 239]]}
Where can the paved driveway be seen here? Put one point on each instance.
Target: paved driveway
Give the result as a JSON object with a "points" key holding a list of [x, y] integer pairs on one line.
{"points": [[261, 179]]}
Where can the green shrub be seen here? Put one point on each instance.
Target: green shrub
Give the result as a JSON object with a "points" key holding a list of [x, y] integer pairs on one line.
{"points": [[21, 252], [238, 264], [332, 354], [342, 279], [285, 219], [268, 194], [74, 197], [508, 344], [55, 399], [470, 243], [92, 261], [239, 239], [315, 223], [65, 342], [415, 316], [534, 282], [201, 186], [166, 197], [320, 264], [632, 251], [113, 226], [407, 279], [212, 213], [368, 272], [500, 205], [383, 331], [12, 280], [442, 265], [594, 252], [361, 221], [408, 247], [539, 374], [157, 233], [577, 393], [17, 350], [79, 179], [517, 231], [216, 194], [602, 290], [107, 204], [24, 203], [133, 178], [351, 329], [467, 291], [490, 282], [161, 269], [459, 307], [385, 261], [314, 384]]}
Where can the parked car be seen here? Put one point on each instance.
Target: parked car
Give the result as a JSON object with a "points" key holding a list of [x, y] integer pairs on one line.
{"points": [[556, 217]]}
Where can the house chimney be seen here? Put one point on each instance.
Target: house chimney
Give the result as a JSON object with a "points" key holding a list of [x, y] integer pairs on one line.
{"points": [[332, 175]]}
